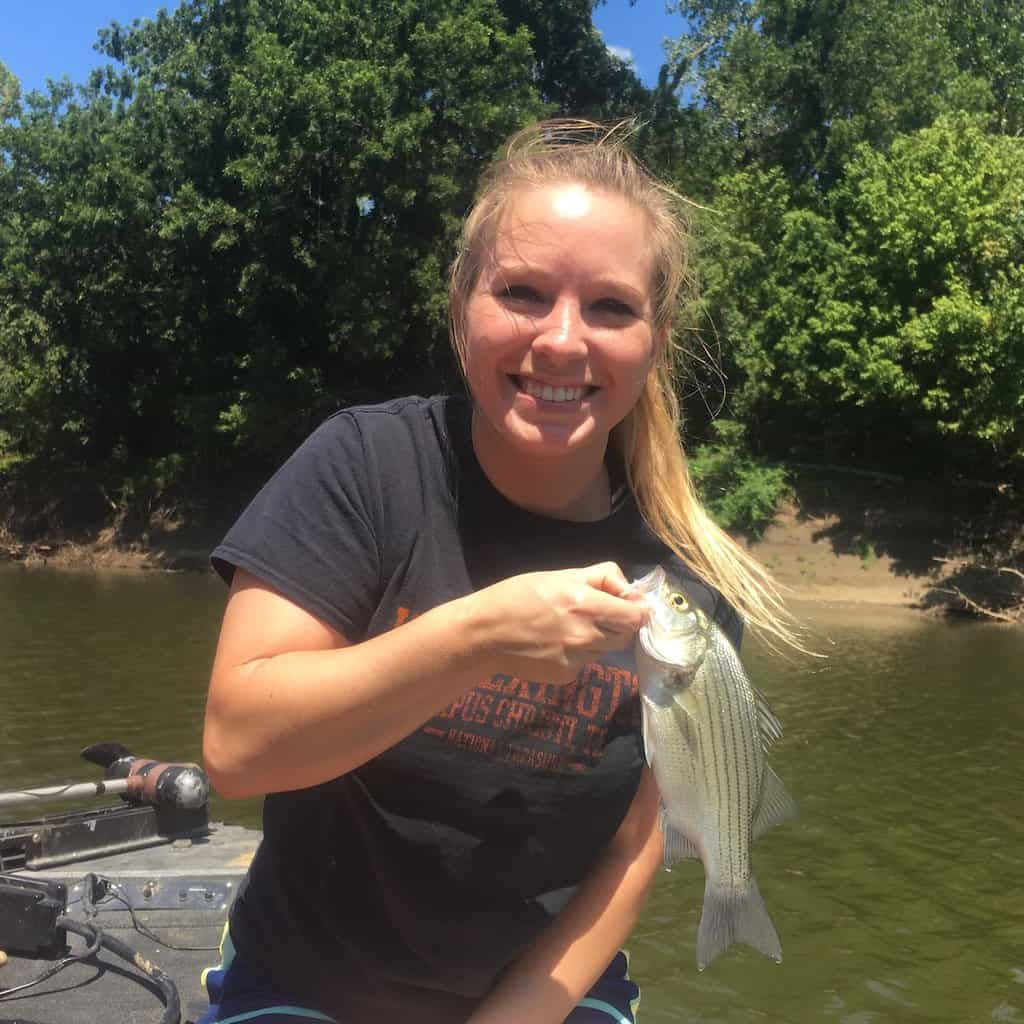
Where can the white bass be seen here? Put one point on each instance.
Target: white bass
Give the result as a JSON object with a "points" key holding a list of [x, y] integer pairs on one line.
{"points": [[706, 732]]}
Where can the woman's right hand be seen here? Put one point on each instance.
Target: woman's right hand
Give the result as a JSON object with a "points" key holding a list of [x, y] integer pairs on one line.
{"points": [[546, 625], [293, 703]]}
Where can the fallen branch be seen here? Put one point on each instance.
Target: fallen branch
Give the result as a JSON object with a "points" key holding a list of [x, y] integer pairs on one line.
{"points": [[980, 609]]}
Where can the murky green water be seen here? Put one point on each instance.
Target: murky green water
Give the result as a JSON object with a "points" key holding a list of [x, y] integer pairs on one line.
{"points": [[899, 894]]}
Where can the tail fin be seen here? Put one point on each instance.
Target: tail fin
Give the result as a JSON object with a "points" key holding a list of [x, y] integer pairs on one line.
{"points": [[731, 916]]}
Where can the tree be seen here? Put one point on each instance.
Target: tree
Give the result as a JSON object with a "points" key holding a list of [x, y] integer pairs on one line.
{"points": [[245, 220], [890, 324], [988, 45], [10, 93], [798, 85], [937, 228], [575, 71]]}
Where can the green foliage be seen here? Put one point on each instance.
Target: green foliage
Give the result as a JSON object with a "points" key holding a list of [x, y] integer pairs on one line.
{"points": [[797, 84], [247, 223], [244, 220], [10, 93], [988, 44], [936, 227], [887, 316], [575, 72], [741, 491]]}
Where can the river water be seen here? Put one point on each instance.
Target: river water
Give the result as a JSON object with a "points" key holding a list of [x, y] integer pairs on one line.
{"points": [[898, 894]]}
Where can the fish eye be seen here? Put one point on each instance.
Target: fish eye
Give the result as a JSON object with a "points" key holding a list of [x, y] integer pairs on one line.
{"points": [[678, 601]]}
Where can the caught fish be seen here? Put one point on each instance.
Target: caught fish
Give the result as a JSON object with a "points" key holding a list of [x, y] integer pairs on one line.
{"points": [[706, 731]]}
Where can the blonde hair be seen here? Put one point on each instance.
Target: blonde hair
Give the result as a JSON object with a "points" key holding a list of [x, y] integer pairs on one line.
{"points": [[649, 439]]}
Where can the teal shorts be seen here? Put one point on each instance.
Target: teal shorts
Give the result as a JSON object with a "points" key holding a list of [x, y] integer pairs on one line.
{"points": [[240, 993]]}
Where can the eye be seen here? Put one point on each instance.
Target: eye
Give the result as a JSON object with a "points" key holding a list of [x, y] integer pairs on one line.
{"points": [[678, 601], [614, 306], [519, 293]]}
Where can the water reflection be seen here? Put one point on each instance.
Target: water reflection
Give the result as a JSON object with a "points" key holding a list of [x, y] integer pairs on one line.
{"points": [[898, 894], [86, 657]]}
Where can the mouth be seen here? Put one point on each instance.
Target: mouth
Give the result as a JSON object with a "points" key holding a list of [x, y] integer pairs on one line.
{"points": [[554, 394], [674, 651], [650, 584], [648, 640]]}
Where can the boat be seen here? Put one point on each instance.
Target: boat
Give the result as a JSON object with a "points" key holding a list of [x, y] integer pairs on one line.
{"points": [[109, 912]]}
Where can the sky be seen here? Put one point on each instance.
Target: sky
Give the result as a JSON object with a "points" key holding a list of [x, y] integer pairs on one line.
{"points": [[42, 39]]}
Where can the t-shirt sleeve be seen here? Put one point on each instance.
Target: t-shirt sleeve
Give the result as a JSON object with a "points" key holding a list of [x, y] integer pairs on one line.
{"points": [[309, 533]]}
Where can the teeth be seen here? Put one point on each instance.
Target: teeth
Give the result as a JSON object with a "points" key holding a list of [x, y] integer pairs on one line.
{"points": [[549, 394]]}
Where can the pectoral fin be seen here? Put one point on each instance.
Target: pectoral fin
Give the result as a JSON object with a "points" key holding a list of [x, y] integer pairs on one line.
{"points": [[645, 720], [676, 846], [775, 806]]}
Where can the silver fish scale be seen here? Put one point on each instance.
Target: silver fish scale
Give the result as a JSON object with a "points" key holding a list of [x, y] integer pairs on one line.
{"points": [[706, 736], [709, 761]]}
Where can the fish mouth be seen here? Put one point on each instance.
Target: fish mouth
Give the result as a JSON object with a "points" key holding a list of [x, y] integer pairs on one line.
{"points": [[649, 584], [663, 645], [657, 653], [650, 648]]}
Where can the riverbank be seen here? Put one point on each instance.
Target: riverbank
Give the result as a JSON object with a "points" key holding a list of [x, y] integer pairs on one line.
{"points": [[876, 539], [108, 551], [843, 538]]}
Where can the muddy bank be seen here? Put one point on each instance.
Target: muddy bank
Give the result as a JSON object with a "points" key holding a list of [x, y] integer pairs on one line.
{"points": [[842, 539], [881, 540], [106, 550]]}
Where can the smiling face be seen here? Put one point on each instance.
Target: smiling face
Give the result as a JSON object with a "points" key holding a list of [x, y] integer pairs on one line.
{"points": [[558, 336]]}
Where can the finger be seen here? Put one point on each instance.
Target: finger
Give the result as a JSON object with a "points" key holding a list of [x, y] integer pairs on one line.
{"points": [[607, 576], [613, 641], [617, 614]]}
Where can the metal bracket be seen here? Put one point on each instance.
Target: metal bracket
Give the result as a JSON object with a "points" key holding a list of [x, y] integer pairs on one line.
{"points": [[181, 892]]}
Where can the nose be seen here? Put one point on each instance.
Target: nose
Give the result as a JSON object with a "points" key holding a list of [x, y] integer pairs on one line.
{"points": [[562, 334]]}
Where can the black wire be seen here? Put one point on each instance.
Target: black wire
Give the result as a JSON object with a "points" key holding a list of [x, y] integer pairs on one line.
{"points": [[110, 889], [96, 938], [172, 1002], [88, 932]]}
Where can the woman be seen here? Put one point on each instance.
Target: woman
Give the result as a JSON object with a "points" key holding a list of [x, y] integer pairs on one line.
{"points": [[425, 657]]}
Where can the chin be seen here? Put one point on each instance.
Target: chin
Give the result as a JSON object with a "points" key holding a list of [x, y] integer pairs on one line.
{"points": [[549, 440]]}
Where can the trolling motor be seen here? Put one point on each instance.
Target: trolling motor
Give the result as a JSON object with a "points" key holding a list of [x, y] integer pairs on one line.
{"points": [[139, 780], [148, 781], [162, 802]]}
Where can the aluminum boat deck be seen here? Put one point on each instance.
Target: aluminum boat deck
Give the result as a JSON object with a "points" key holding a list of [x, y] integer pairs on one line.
{"points": [[179, 891]]}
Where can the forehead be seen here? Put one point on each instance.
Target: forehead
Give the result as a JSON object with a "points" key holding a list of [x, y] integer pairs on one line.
{"points": [[570, 226]]}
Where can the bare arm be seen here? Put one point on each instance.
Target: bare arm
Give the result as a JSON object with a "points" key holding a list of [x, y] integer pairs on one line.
{"points": [[559, 968], [293, 703]]}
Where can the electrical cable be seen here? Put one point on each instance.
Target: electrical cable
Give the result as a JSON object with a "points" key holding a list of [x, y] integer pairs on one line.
{"points": [[93, 883], [93, 938], [172, 1002]]}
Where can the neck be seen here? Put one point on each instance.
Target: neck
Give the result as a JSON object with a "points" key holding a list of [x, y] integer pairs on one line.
{"points": [[575, 487]]}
